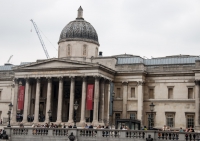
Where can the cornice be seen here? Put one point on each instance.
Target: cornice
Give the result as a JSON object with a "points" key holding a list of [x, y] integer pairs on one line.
{"points": [[171, 100]]}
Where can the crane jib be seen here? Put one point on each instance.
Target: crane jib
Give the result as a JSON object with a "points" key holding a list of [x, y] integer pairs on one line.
{"points": [[40, 38]]}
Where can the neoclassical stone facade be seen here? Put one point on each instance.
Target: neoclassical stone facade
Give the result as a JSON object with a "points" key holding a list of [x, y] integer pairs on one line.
{"points": [[171, 83]]}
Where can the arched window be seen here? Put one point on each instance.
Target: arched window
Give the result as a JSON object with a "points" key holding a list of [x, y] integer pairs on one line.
{"points": [[84, 50], [68, 50]]}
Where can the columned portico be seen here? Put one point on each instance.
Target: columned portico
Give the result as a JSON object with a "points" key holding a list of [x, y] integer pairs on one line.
{"points": [[37, 100], [48, 102], [26, 100], [55, 92], [71, 107]]}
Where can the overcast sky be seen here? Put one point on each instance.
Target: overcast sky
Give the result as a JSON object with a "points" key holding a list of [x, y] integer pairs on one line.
{"points": [[140, 27]]}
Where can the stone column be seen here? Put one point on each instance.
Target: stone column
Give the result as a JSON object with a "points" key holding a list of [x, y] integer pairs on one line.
{"points": [[15, 101], [102, 100], [96, 101], [71, 106], [37, 101], [197, 110], [108, 108], [125, 98], [140, 101], [29, 97], [48, 102], [83, 101], [26, 101], [60, 100]]}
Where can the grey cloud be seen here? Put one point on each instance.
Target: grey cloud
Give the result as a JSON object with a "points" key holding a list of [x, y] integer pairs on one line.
{"points": [[140, 27]]}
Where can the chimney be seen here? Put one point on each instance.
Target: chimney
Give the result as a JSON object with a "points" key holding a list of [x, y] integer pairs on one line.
{"points": [[100, 53]]}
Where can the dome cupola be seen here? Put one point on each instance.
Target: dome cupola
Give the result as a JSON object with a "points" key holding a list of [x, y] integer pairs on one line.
{"points": [[79, 30]]}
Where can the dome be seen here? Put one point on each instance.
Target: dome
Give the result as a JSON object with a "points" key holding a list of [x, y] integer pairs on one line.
{"points": [[79, 30]]}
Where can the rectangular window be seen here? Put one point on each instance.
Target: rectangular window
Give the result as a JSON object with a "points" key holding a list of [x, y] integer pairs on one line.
{"points": [[133, 92], [151, 93], [118, 93], [170, 120], [190, 93], [117, 116], [151, 119], [133, 116], [190, 121], [170, 93]]}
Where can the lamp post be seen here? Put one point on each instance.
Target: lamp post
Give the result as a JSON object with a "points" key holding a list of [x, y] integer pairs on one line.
{"points": [[9, 113], [113, 96], [151, 115], [49, 114], [75, 109]]}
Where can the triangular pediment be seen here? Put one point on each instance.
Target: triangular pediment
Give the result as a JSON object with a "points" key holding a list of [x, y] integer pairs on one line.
{"points": [[56, 64]]}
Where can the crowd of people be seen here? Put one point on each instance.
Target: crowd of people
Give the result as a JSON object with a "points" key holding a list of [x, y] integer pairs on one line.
{"points": [[167, 128], [123, 127]]}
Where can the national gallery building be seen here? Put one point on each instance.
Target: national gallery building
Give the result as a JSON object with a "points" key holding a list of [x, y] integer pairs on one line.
{"points": [[105, 88]]}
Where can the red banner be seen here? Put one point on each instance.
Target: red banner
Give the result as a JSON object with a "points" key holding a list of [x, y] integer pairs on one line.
{"points": [[21, 98], [90, 90]]}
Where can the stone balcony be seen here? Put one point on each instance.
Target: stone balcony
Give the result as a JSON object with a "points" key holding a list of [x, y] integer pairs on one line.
{"points": [[62, 134]]}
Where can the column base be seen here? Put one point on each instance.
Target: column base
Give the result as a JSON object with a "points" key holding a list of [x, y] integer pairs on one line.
{"points": [[24, 121], [82, 123], [70, 121], [95, 123], [36, 121], [58, 121]]}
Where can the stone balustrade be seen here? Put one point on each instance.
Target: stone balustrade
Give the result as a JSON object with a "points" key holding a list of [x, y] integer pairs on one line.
{"points": [[61, 134]]}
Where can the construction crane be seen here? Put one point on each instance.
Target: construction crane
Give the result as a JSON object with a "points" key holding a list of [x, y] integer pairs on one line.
{"points": [[40, 38], [9, 59]]}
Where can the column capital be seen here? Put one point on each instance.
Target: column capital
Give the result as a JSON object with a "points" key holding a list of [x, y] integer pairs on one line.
{"points": [[72, 77], [49, 79], [20, 82], [97, 77], [103, 79], [125, 82], [27, 79], [140, 83], [38, 79], [84, 77], [60, 78]]}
